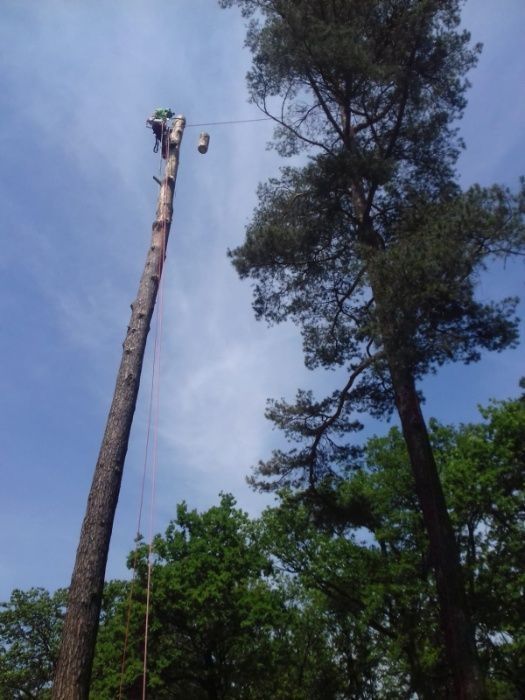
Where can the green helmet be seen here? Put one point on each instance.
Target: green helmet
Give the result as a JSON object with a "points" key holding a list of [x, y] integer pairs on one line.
{"points": [[163, 113]]}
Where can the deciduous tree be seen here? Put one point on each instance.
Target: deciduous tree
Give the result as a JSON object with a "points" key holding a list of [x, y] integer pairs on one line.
{"points": [[362, 544], [30, 627], [219, 628]]}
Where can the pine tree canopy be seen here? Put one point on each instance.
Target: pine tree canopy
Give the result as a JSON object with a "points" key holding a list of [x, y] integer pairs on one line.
{"points": [[369, 245]]}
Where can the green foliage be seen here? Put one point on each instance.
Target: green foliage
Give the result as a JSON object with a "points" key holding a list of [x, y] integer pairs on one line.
{"points": [[219, 627], [486, 481], [330, 595], [361, 544], [360, 541], [30, 627]]}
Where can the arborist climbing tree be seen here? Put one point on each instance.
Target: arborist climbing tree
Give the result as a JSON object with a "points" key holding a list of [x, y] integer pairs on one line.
{"points": [[158, 122], [73, 670]]}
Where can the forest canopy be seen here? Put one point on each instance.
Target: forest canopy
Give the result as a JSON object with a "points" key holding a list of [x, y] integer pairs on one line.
{"points": [[290, 605]]}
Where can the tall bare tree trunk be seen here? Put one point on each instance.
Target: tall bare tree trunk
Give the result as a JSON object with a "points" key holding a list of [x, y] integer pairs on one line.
{"points": [[73, 673]]}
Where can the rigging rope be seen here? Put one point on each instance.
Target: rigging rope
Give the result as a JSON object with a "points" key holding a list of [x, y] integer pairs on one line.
{"points": [[234, 121], [161, 150]]}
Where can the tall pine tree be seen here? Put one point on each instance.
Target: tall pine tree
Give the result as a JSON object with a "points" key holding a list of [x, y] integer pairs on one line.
{"points": [[371, 247]]}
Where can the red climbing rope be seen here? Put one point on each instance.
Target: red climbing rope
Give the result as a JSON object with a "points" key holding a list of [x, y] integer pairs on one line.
{"points": [[139, 523]]}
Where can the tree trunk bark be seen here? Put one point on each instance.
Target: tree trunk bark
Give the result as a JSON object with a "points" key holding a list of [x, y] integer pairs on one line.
{"points": [[455, 620], [458, 631], [75, 660]]}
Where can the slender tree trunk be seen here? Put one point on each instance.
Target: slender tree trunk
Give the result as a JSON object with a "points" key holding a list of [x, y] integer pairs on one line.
{"points": [[458, 631], [75, 660], [455, 619]]}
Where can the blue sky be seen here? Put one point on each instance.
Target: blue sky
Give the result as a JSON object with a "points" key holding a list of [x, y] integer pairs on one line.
{"points": [[77, 200]]}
